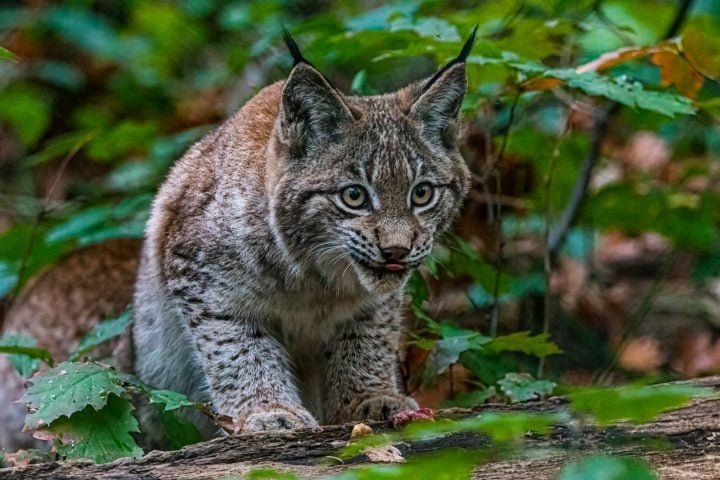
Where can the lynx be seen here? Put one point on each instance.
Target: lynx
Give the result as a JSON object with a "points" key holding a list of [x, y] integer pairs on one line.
{"points": [[272, 274]]}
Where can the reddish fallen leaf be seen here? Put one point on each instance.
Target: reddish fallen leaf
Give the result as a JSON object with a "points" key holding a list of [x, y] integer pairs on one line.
{"points": [[406, 416]]}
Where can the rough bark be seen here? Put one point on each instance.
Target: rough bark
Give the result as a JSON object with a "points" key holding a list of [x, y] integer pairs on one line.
{"points": [[680, 444]]}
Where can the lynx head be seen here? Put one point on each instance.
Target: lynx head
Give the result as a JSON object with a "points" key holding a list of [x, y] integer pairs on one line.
{"points": [[366, 184]]}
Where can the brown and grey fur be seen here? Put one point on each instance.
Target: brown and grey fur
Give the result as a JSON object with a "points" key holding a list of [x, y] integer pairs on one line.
{"points": [[259, 290]]}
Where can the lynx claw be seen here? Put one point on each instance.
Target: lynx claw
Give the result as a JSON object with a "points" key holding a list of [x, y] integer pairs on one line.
{"points": [[383, 407]]}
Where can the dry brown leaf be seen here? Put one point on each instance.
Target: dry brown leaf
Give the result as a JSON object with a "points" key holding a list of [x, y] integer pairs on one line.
{"points": [[641, 355], [610, 59], [697, 354], [675, 70]]}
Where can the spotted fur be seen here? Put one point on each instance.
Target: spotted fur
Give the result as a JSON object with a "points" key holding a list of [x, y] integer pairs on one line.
{"points": [[261, 288]]}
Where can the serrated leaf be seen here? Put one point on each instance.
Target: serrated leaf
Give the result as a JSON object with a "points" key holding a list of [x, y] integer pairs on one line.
{"points": [[454, 342], [69, 388], [632, 403], [521, 387], [607, 468], [21, 353], [631, 94], [537, 345], [170, 399], [102, 332], [97, 435]]}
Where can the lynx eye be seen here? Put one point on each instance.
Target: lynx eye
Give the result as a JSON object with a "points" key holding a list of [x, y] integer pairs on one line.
{"points": [[354, 196], [421, 195]]}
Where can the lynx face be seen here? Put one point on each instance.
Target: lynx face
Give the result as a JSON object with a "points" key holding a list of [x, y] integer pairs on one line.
{"points": [[367, 183]]}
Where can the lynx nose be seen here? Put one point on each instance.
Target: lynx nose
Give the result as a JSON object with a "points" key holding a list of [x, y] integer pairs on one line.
{"points": [[394, 254]]}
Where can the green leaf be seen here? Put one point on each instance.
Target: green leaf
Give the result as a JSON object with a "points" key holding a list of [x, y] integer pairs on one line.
{"points": [[521, 387], [454, 342], [170, 399], [607, 468], [447, 465], [61, 145], [6, 54], [122, 138], [102, 332], [538, 345], [97, 435], [14, 242], [27, 111], [501, 427], [631, 94], [632, 403], [470, 399], [25, 360], [269, 474], [67, 389], [179, 431]]}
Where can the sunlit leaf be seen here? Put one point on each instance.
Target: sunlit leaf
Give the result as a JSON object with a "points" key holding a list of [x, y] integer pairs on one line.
{"points": [[537, 345], [6, 54], [632, 403]]}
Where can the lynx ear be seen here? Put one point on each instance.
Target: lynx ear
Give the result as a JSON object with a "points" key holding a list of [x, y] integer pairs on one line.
{"points": [[439, 101], [312, 110]]}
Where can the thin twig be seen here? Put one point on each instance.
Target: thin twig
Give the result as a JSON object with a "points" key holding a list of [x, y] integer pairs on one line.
{"points": [[638, 316], [497, 219], [42, 212], [557, 233], [679, 19]]}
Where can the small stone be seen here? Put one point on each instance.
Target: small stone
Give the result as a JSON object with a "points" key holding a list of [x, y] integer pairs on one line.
{"points": [[360, 430]]}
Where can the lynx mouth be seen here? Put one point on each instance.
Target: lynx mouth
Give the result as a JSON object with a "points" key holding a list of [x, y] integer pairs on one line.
{"points": [[384, 270]]}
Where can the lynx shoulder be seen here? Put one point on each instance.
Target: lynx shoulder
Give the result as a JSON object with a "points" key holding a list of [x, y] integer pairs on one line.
{"points": [[277, 251]]}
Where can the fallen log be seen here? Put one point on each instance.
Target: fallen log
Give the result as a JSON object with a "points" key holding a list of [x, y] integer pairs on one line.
{"points": [[679, 444]]}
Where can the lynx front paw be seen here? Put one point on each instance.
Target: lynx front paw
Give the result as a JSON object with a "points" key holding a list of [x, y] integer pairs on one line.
{"points": [[382, 406], [275, 417]]}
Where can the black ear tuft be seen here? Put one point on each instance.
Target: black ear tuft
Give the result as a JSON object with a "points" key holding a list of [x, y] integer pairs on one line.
{"points": [[294, 49], [467, 47], [464, 52]]}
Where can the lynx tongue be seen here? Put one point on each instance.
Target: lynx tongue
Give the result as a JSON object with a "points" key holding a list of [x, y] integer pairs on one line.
{"points": [[394, 267]]}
